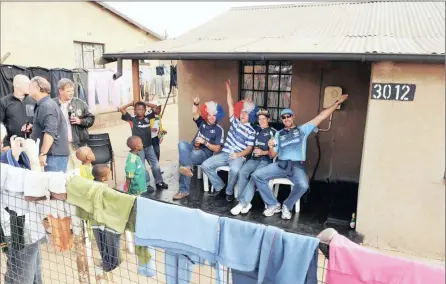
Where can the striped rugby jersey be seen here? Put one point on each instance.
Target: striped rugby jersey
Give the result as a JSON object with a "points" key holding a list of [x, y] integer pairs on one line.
{"points": [[240, 136]]}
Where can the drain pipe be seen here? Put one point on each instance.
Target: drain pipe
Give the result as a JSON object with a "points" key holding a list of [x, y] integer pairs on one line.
{"points": [[119, 71]]}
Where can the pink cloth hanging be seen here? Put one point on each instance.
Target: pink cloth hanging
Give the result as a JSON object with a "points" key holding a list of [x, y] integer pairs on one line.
{"points": [[350, 263]]}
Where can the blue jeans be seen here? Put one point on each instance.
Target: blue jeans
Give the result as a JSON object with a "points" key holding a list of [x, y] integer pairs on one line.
{"points": [[56, 163], [149, 155], [245, 183], [272, 171], [189, 157], [210, 166]]}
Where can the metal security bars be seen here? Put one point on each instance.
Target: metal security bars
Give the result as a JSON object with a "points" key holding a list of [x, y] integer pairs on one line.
{"points": [[268, 83]]}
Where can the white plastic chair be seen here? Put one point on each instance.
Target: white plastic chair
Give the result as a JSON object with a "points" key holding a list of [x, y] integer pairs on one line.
{"points": [[206, 180], [274, 185]]}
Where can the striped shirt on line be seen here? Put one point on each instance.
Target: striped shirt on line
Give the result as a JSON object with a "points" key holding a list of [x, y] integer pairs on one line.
{"points": [[240, 136]]}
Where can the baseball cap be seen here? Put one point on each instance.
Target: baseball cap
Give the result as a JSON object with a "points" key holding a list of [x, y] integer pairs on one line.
{"points": [[286, 111], [263, 112], [157, 103]]}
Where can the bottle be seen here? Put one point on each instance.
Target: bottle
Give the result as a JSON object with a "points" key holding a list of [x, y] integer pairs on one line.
{"points": [[353, 221], [197, 145]]}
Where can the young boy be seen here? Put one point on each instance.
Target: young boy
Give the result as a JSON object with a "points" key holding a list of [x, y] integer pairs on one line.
{"points": [[101, 173], [134, 168], [157, 129], [86, 156], [140, 125]]}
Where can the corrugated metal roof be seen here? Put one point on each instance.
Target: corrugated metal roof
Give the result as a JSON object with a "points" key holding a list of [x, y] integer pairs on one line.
{"points": [[416, 28]]}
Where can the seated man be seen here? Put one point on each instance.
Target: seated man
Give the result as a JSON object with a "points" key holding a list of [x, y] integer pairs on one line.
{"points": [[239, 144], [207, 141], [290, 145], [259, 159]]}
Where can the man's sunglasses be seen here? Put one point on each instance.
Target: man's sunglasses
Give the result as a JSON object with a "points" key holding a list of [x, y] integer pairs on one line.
{"points": [[285, 116]]}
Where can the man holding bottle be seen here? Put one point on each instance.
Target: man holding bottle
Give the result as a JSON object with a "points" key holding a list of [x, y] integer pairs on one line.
{"points": [[207, 141]]}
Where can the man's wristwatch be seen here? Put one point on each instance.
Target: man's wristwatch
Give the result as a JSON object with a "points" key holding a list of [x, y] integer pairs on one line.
{"points": [[43, 154], [206, 144]]}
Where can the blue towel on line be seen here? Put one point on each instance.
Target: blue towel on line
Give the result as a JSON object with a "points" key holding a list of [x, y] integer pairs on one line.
{"points": [[240, 251]]}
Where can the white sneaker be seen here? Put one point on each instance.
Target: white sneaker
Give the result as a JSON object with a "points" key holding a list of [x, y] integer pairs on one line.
{"points": [[246, 209], [237, 209], [272, 210], [286, 214]]}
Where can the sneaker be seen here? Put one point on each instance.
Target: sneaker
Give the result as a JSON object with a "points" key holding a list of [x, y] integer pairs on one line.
{"points": [[229, 197], [180, 195], [272, 210], [215, 193], [286, 214], [237, 209], [186, 171], [150, 189], [162, 185], [246, 209]]}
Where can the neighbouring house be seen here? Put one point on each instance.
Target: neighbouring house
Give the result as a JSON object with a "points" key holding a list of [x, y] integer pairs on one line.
{"points": [[385, 147], [67, 34]]}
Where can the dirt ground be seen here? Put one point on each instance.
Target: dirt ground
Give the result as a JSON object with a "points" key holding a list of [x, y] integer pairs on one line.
{"points": [[61, 267]]}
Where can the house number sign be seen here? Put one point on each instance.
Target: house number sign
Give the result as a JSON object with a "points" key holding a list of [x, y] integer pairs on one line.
{"points": [[393, 92]]}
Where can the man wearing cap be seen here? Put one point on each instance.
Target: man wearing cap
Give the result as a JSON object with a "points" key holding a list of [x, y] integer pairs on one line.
{"points": [[238, 145], [260, 158], [289, 144], [207, 141]]}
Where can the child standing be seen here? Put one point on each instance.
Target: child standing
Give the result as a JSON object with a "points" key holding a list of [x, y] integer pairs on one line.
{"points": [[134, 168], [86, 156], [157, 128], [140, 125], [101, 173]]}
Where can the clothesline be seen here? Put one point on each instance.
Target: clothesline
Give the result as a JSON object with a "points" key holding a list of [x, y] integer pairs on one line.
{"points": [[254, 253]]}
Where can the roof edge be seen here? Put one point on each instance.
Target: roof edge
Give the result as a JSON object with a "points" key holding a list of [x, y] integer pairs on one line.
{"points": [[130, 20], [431, 58]]}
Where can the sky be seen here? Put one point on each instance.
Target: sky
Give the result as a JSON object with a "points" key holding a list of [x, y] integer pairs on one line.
{"points": [[177, 17]]}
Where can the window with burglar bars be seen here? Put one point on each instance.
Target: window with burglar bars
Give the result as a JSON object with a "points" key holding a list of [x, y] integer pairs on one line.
{"points": [[268, 83], [85, 54]]}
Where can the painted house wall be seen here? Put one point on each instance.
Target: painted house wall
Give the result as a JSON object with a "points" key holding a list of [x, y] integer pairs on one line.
{"points": [[42, 33], [402, 196]]}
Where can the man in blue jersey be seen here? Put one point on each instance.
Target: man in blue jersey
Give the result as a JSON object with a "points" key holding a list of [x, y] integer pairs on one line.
{"points": [[289, 145], [208, 140], [260, 158], [239, 143]]}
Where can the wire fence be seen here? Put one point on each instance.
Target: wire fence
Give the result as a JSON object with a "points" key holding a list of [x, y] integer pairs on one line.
{"points": [[70, 251]]}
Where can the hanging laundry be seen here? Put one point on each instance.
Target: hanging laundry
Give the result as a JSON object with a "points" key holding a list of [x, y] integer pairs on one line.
{"points": [[80, 78], [284, 258], [57, 74], [41, 72], [157, 87], [35, 186], [146, 260], [121, 90], [350, 263], [243, 252], [7, 74], [108, 242], [99, 84], [15, 178], [188, 236], [173, 78], [106, 205], [61, 234], [160, 70]]}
